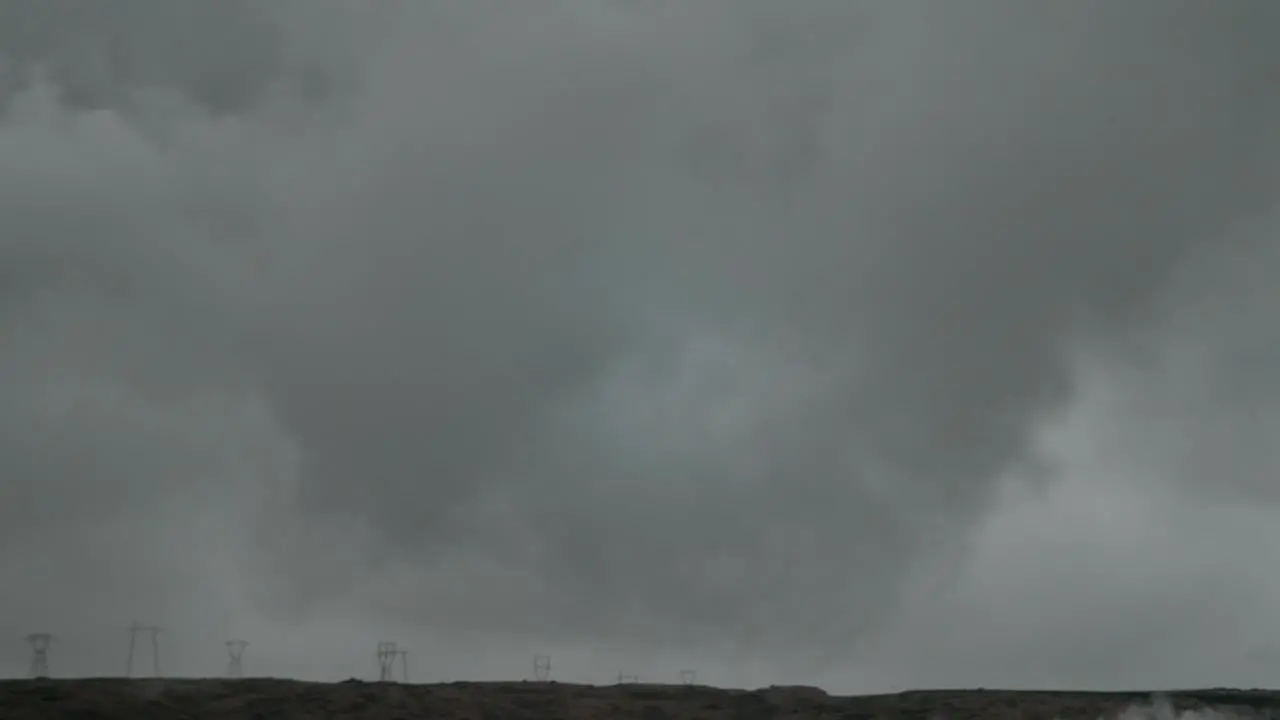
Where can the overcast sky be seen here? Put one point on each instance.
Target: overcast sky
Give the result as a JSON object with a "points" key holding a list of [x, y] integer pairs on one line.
{"points": [[870, 345]]}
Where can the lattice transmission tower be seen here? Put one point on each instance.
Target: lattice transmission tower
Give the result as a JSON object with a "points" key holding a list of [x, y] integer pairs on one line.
{"points": [[541, 667], [39, 643], [404, 664], [386, 655], [137, 629], [235, 667]]}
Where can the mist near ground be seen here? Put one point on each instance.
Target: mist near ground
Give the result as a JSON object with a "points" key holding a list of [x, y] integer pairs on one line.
{"points": [[1163, 711], [868, 345]]}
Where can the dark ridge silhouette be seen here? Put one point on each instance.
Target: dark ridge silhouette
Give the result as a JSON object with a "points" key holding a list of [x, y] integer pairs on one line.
{"points": [[263, 699]]}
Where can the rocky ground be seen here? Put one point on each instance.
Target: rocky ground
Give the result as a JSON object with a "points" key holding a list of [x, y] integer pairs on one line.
{"points": [[265, 699]]}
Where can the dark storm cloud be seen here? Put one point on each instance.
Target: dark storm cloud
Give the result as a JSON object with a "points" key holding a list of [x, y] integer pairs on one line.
{"points": [[983, 192], [652, 324], [222, 54]]}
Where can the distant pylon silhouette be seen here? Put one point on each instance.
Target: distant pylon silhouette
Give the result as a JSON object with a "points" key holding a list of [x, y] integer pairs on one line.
{"points": [[154, 632], [235, 648], [39, 643], [386, 661], [404, 663], [541, 667]]}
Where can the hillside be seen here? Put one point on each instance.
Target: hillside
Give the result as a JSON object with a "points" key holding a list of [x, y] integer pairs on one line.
{"points": [[268, 699]]}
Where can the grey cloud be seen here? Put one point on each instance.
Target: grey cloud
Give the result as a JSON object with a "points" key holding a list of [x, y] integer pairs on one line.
{"points": [[677, 328], [221, 54]]}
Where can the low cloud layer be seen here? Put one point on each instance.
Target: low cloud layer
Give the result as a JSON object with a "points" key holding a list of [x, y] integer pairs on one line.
{"points": [[865, 344]]}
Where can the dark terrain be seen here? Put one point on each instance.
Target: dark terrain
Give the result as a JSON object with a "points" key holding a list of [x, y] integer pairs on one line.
{"points": [[266, 699]]}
